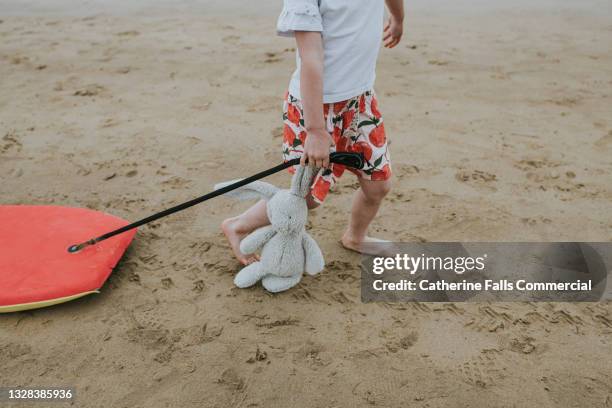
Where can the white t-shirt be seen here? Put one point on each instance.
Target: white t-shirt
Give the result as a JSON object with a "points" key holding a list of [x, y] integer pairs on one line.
{"points": [[352, 32]]}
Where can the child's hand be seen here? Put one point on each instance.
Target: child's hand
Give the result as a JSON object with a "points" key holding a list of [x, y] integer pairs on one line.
{"points": [[316, 148], [392, 33]]}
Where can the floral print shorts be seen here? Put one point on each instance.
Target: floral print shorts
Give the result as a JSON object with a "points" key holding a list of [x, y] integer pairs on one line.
{"points": [[356, 125]]}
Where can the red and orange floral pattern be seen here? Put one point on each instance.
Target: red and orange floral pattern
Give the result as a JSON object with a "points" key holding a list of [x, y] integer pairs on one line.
{"points": [[356, 126]]}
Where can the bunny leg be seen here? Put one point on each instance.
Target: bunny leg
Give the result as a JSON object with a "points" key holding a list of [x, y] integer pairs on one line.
{"points": [[314, 258], [249, 275], [276, 284]]}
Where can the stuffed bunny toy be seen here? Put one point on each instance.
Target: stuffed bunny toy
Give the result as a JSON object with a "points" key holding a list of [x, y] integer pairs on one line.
{"points": [[287, 250]]}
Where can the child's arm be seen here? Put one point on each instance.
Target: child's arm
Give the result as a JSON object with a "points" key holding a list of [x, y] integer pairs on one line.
{"points": [[319, 141], [394, 28]]}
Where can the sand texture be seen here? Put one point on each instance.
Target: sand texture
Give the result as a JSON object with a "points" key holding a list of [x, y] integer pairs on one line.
{"points": [[501, 130]]}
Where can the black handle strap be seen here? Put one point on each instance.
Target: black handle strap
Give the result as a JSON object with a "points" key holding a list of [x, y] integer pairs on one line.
{"points": [[354, 160]]}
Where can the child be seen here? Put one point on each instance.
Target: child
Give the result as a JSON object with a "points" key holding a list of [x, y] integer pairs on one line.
{"points": [[331, 106]]}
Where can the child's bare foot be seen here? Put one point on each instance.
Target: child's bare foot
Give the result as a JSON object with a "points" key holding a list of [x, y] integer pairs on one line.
{"points": [[234, 236], [367, 245]]}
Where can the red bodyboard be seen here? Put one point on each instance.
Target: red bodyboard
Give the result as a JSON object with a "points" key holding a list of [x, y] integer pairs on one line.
{"points": [[36, 268]]}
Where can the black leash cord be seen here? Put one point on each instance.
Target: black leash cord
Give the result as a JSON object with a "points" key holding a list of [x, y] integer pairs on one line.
{"points": [[354, 160]]}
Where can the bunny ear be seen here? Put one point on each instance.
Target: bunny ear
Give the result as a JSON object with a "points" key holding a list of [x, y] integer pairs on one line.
{"points": [[254, 190], [300, 183]]}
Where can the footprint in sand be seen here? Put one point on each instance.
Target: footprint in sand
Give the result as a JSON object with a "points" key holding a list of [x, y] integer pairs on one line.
{"points": [[89, 90], [259, 356], [438, 63], [199, 286], [312, 354], [230, 379], [175, 182], [265, 104], [233, 39], [123, 70], [12, 351], [110, 122], [523, 344], [167, 283], [10, 142], [604, 141], [404, 343], [407, 169], [567, 102], [130, 33], [475, 175], [484, 370], [201, 104], [528, 164], [16, 172], [476, 178], [17, 59], [272, 57], [545, 174], [489, 319], [535, 221], [277, 132], [149, 336]]}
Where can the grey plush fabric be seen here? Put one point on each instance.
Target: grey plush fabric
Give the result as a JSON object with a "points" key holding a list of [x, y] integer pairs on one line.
{"points": [[287, 250]]}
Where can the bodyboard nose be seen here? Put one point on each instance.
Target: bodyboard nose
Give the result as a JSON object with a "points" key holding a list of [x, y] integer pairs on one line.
{"points": [[36, 270]]}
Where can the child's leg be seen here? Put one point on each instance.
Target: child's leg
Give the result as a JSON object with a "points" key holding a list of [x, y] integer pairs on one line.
{"points": [[366, 203], [311, 202], [238, 227]]}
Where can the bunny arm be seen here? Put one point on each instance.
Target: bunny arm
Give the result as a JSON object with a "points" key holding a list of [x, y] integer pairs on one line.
{"points": [[314, 262], [256, 239]]}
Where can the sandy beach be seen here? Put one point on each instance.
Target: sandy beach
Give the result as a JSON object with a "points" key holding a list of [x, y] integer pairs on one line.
{"points": [[500, 129]]}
